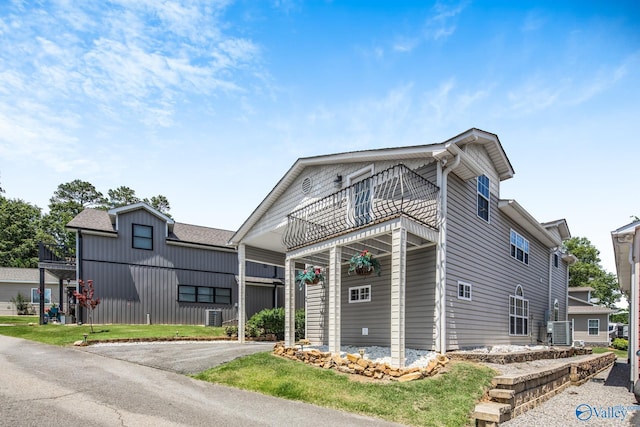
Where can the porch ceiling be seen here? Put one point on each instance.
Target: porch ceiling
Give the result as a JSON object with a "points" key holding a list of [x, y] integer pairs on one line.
{"points": [[376, 239]]}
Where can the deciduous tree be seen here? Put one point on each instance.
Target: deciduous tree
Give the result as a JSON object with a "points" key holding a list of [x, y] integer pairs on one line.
{"points": [[587, 271], [19, 233], [85, 298]]}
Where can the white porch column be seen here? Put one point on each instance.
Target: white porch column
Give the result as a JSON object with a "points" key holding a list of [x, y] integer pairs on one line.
{"points": [[333, 288], [242, 282], [398, 292], [289, 303]]}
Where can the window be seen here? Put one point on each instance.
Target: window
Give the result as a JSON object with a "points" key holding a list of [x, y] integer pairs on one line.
{"points": [[519, 247], [518, 313], [556, 260], [483, 197], [594, 326], [204, 294], [187, 293], [35, 296], [142, 237], [556, 310], [360, 294], [223, 295], [464, 291], [360, 197]]}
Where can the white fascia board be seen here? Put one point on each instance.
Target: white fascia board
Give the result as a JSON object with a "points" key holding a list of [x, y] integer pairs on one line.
{"points": [[622, 240], [140, 205], [513, 210], [398, 154]]}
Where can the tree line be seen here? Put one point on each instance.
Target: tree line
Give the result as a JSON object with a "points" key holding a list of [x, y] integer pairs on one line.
{"points": [[23, 225]]}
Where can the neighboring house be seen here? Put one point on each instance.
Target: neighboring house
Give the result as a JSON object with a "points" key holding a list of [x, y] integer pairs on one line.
{"points": [[590, 321], [148, 268], [461, 267], [25, 281], [626, 247]]}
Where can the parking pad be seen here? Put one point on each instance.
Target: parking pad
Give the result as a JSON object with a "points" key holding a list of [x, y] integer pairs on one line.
{"points": [[183, 357]]}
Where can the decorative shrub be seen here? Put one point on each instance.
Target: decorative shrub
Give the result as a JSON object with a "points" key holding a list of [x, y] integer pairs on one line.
{"points": [[271, 321], [231, 330], [620, 344], [21, 303], [300, 319]]}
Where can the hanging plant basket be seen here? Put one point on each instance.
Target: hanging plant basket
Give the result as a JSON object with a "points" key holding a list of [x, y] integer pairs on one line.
{"points": [[364, 271], [363, 264], [310, 276]]}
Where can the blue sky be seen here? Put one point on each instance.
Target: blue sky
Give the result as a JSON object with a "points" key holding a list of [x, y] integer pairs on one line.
{"points": [[210, 102]]}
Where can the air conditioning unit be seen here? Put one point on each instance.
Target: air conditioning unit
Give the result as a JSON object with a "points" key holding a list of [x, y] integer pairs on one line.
{"points": [[561, 333], [213, 318]]}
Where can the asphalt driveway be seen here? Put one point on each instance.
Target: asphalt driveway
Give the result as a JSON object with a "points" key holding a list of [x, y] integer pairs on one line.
{"points": [[183, 357], [42, 385]]}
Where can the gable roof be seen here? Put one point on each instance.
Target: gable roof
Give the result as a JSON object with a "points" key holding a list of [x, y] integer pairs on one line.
{"points": [[466, 169], [25, 275], [101, 221], [595, 309], [579, 289], [540, 231]]}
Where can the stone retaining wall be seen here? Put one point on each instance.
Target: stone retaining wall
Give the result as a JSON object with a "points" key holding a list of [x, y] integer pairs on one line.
{"points": [[514, 394], [503, 358], [355, 364]]}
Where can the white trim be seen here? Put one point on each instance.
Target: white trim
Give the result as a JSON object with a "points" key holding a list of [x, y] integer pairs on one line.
{"points": [[45, 295], [466, 285], [525, 312], [589, 328], [525, 259], [360, 288]]}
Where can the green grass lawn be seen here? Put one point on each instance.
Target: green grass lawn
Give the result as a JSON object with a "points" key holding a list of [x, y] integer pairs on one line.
{"points": [[445, 400], [68, 334], [619, 353]]}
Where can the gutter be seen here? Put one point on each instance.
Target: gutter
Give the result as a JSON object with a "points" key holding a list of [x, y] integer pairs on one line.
{"points": [[441, 259]]}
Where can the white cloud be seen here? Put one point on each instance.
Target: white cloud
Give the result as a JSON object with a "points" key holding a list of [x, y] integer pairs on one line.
{"points": [[443, 22], [91, 68]]}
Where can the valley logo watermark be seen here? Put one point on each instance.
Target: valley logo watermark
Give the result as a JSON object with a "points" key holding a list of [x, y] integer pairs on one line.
{"points": [[585, 412]]}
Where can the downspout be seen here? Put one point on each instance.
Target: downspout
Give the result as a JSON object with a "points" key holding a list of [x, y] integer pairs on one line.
{"points": [[441, 254], [550, 307], [79, 276], [633, 312]]}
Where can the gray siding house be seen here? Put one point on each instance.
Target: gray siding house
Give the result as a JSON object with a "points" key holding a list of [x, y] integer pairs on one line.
{"points": [[26, 281], [590, 321], [148, 268], [461, 267]]}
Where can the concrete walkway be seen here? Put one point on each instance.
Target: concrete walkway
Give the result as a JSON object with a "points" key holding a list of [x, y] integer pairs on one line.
{"points": [[44, 385]]}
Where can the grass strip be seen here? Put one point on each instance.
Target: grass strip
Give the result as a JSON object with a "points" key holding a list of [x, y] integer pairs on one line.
{"points": [[445, 400], [58, 334]]}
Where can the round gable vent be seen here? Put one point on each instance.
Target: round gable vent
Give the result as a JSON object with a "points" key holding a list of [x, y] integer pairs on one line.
{"points": [[306, 185]]}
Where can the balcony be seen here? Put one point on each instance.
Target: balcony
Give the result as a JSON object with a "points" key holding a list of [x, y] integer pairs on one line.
{"points": [[59, 260], [394, 192]]}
